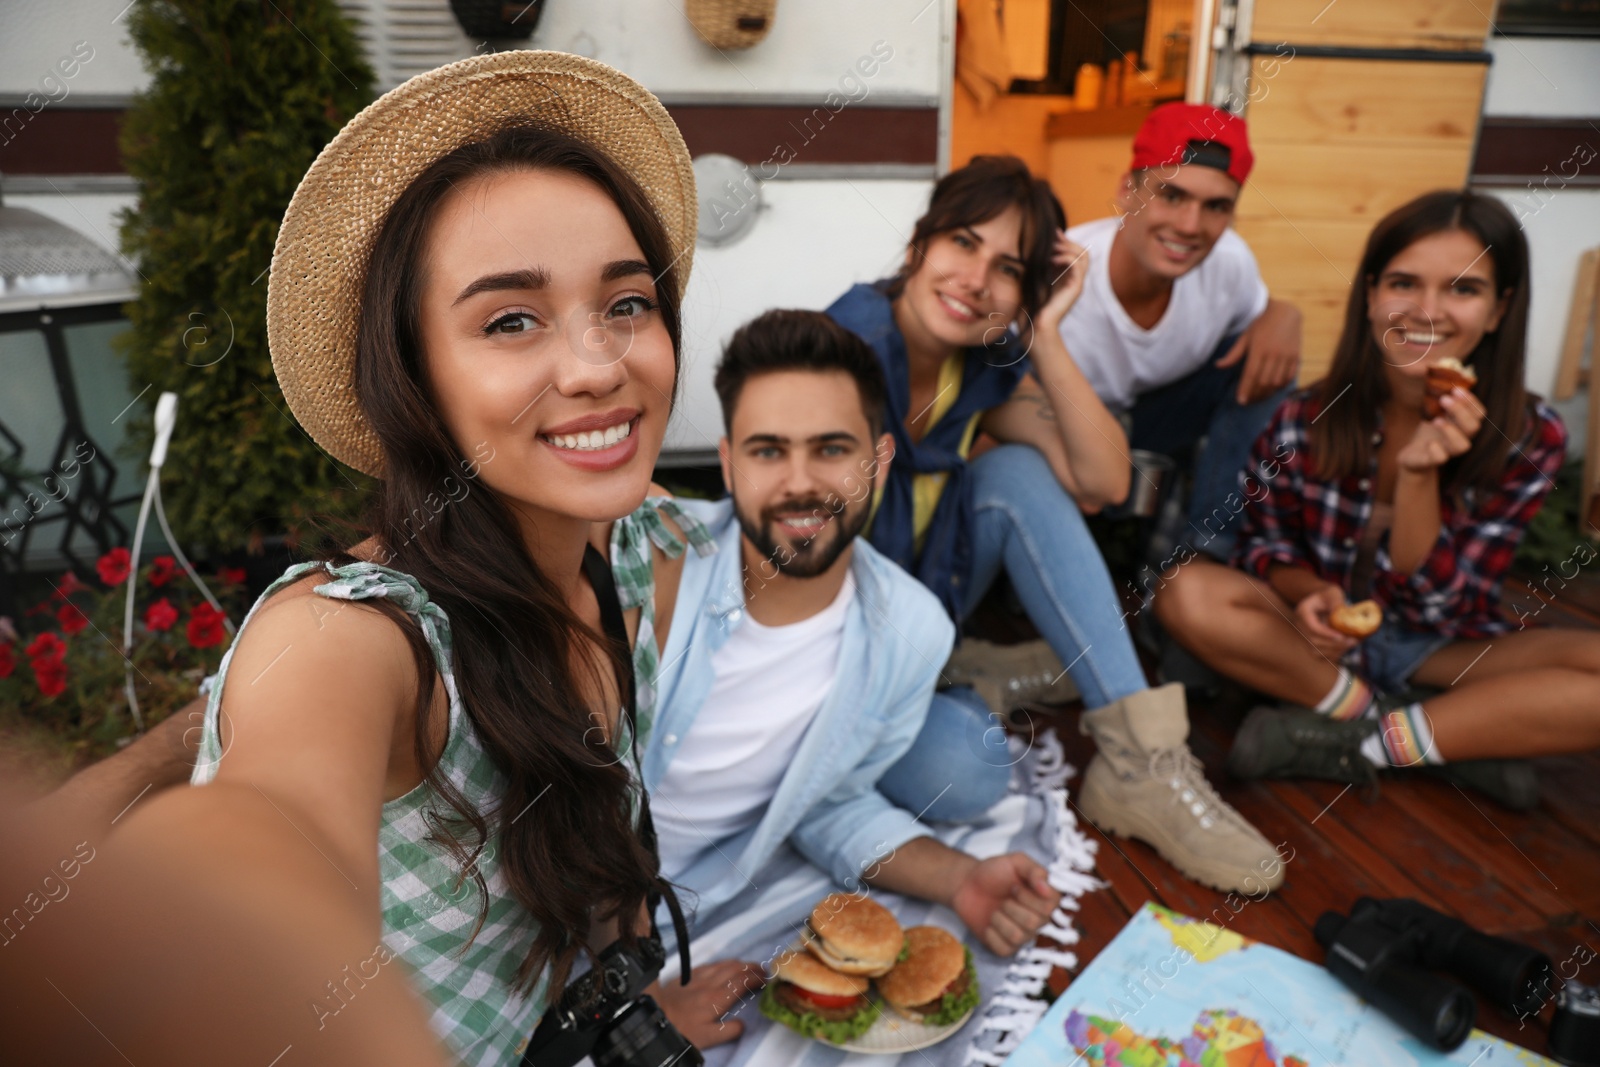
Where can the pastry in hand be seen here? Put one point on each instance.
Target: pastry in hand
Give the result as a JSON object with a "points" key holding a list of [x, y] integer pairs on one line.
{"points": [[1443, 376], [1357, 620]]}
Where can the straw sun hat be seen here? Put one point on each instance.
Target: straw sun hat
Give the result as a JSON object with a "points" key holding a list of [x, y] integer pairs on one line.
{"points": [[319, 264]]}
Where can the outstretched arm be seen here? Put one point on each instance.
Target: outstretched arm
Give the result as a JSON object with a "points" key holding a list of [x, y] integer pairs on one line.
{"points": [[99, 794]]}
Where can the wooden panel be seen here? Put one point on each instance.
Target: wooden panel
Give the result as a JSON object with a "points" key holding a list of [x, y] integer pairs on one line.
{"points": [[1086, 172], [1288, 180], [1340, 143], [1449, 24], [1306, 255], [1355, 101], [1014, 124]]}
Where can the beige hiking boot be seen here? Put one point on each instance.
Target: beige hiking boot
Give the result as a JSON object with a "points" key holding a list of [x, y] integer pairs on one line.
{"points": [[1009, 676], [1145, 783]]}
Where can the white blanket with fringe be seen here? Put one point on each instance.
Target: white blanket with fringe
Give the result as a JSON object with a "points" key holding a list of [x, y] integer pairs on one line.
{"points": [[766, 918]]}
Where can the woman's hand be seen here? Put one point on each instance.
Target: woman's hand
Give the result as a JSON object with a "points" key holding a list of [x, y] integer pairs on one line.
{"points": [[697, 1009], [1437, 441], [1313, 611], [1069, 266]]}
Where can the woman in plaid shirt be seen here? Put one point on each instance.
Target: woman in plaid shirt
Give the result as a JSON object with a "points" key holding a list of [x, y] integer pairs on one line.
{"points": [[1352, 493]]}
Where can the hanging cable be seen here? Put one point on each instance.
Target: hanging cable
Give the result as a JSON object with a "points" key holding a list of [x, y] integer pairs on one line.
{"points": [[166, 418]]}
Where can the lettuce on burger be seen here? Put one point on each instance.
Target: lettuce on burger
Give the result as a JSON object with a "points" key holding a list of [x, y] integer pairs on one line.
{"points": [[808, 997], [936, 983]]}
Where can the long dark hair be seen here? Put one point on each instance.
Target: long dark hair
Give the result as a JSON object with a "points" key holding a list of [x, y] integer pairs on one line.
{"points": [[978, 192], [574, 855], [1342, 442]]}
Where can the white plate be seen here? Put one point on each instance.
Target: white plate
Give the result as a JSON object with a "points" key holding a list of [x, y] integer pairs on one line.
{"points": [[895, 1033]]}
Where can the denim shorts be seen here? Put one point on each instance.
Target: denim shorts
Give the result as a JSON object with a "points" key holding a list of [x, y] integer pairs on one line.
{"points": [[1389, 658]]}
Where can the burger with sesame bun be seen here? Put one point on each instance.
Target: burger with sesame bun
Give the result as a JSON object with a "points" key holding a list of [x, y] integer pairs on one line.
{"points": [[817, 1001], [854, 935], [936, 983]]}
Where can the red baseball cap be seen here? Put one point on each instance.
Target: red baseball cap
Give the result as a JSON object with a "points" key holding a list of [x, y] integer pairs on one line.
{"points": [[1197, 134]]}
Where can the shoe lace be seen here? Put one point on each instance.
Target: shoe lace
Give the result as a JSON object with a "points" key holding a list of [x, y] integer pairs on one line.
{"points": [[1365, 773], [1183, 772]]}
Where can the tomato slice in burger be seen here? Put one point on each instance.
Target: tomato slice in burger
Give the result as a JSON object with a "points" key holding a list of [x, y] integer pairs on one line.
{"points": [[823, 1000]]}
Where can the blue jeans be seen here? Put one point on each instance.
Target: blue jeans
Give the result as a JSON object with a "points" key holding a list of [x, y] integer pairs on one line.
{"points": [[1391, 656], [1027, 524], [1173, 418]]}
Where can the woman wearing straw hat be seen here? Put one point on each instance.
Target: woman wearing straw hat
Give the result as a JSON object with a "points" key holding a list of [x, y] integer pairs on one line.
{"points": [[474, 297]]}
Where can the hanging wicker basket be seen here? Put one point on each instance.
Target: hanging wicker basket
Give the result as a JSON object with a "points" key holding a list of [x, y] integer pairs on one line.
{"points": [[498, 20], [731, 23]]}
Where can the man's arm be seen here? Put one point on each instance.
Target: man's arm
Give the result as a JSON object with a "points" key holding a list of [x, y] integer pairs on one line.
{"points": [[1270, 348], [1005, 900], [163, 757]]}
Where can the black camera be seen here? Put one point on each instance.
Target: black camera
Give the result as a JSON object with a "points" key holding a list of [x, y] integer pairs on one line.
{"points": [[1575, 1029], [606, 1016], [1385, 950]]}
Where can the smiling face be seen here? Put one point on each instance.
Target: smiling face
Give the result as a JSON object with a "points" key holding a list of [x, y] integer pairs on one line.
{"points": [[1435, 300], [965, 287], [1174, 216], [542, 342], [800, 461]]}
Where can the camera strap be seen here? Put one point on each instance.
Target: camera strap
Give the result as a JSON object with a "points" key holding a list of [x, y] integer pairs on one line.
{"points": [[598, 569]]}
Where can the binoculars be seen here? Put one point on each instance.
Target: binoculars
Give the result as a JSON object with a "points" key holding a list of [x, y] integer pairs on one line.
{"points": [[1386, 951]]}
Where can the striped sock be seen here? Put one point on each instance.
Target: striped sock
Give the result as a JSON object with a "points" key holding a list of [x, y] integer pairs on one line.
{"points": [[1404, 739], [1350, 697]]}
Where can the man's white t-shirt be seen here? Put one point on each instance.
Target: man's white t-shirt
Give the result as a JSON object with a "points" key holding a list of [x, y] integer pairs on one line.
{"points": [[770, 682], [1219, 297]]}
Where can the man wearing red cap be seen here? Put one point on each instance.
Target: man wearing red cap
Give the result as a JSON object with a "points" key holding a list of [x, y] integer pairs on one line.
{"points": [[1175, 325]]}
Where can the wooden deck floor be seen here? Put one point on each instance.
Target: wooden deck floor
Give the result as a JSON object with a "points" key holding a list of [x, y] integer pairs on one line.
{"points": [[1532, 876]]}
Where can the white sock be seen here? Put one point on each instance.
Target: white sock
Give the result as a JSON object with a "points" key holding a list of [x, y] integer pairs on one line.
{"points": [[1403, 733]]}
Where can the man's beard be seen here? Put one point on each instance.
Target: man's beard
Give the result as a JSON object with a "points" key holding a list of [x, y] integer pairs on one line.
{"points": [[809, 558]]}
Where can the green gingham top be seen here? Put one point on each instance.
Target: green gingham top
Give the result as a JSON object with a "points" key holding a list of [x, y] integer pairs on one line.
{"points": [[631, 538], [429, 906]]}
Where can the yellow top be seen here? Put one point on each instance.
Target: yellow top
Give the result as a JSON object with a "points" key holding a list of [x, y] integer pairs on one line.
{"points": [[927, 488]]}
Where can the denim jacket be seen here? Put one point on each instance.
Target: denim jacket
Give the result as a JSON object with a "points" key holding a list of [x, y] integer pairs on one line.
{"points": [[896, 640], [989, 376]]}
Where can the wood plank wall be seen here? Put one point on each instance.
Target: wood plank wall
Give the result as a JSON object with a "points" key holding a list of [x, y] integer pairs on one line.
{"points": [[1340, 142]]}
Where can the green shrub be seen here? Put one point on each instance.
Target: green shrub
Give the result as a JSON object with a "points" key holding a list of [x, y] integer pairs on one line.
{"points": [[1557, 530], [243, 95]]}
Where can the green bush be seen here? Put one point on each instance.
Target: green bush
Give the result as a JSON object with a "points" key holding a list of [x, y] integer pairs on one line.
{"points": [[1557, 530], [243, 95]]}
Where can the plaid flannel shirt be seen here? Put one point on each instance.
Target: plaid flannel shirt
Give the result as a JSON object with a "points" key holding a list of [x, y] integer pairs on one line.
{"points": [[1292, 517]]}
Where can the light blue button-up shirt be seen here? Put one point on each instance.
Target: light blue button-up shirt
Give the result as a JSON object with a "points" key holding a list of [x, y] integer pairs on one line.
{"points": [[896, 639]]}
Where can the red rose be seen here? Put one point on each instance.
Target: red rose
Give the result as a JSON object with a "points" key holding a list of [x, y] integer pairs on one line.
{"points": [[72, 619], [8, 660], [161, 569], [113, 566], [161, 615], [205, 626], [51, 674], [46, 647], [68, 585], [230, 575]]}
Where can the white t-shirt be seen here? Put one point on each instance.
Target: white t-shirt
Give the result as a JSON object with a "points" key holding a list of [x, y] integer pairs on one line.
{"points": [[770, 682], [1219, 297]]}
